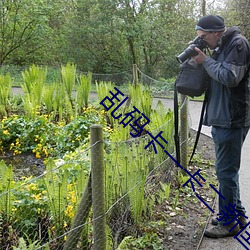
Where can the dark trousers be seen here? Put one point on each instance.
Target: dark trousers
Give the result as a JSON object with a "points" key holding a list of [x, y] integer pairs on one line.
{"points": [[228, 145]]}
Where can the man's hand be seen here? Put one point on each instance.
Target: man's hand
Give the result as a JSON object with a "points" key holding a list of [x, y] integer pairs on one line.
{"points": [[200, 58]]}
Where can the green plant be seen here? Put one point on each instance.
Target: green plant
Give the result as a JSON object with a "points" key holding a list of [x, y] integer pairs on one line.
{"points": [[68, 74], [30, 207], [83, 91], [103, 89], [165, 190], [176, 199], [48, 98], [182, 177], [141, 98], [147, 241], [6, 184], [29, 245], [34, 81], [5, 90], [162, 120]]}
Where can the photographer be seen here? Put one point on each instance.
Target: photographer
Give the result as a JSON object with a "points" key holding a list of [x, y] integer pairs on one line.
{"points": [[228, 112]]}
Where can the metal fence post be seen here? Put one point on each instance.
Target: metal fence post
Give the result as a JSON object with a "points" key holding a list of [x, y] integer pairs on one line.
{"points": [[98, 195], [184, 130]]}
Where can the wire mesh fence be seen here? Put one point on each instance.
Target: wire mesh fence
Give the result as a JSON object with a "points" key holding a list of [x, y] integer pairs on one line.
{"points": [[54, 210]]}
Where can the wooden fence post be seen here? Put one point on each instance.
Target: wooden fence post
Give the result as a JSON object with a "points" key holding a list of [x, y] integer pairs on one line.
{"points": [[98, 195], [184, 131], [135, 74]]}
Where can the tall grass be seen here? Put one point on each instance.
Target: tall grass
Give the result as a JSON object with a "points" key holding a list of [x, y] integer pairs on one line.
{"points": [[6, 197], [5, 90], [33, 85], [68, 74], [83, 91]]}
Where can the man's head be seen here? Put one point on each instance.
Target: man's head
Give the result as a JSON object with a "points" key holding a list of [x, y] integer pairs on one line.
{"points": [[211, 29]]}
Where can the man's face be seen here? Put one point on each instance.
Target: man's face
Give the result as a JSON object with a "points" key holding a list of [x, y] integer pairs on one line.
{"points": [[211, 38]]}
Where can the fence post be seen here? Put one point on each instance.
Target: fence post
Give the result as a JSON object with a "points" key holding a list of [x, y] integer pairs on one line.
{"points": [[135, 74], [184, 130], [98, 195]]}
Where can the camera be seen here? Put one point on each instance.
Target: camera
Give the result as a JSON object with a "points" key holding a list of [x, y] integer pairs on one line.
{"points": [[190, 51]]}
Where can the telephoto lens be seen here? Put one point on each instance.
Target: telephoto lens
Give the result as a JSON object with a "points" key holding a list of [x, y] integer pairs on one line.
{"points": [[190, 50]]}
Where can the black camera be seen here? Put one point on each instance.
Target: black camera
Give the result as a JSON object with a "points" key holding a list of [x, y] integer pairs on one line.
{"points": [[190, 51]]}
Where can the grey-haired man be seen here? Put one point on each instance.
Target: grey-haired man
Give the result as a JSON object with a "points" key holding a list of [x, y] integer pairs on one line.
{"points": [[228, 112]]}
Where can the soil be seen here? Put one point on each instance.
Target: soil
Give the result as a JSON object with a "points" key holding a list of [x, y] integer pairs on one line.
{"points": [[186, 224], [25, 164]]}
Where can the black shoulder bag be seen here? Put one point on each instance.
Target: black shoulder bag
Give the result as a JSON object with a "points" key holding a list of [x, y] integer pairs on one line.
{"points": [[191, 81]]}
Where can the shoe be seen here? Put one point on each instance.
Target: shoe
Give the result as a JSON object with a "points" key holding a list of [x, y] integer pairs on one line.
{"points": [[241, 219], [221, 231]]}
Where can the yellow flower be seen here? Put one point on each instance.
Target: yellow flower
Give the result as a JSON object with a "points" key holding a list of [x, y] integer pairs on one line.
{"points": [[69, 211], [73, 199], [37, 196], [6, 132], [31, 187], [38, 155], [14, 209]]}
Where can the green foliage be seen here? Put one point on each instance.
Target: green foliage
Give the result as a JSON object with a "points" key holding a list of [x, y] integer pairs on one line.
{"points": [[68, 74], [5, 90], [165, 190], [48, 98], [103, 89], [147, 241], [43, 137], [83, 91], [30, 206], [57, 188], [33, 85], [126, 170], [141, 98], [29, 245], [6, 184], [176, 199]]}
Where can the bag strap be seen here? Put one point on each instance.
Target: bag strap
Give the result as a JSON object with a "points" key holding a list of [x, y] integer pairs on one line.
{"points": [[176, 124], [199, 127]]}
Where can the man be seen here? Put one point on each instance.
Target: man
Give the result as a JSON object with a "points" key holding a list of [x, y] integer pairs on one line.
{"points": [[228, 112]]}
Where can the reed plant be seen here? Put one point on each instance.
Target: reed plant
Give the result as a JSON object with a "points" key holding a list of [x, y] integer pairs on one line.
{"points": [[162, 120], [141, 98], [48, 97], [68, 75], [6, 184], [126, 173], [103, 89], [62, 106], [56, 184], [34, 80], [83, 91], [5, 90]]}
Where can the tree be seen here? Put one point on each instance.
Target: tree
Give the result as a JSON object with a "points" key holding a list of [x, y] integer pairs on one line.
{"points": [[237, 13], [21, 21]]}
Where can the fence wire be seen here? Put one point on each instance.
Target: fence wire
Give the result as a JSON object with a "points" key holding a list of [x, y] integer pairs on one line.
{"points": [[39, 213]]}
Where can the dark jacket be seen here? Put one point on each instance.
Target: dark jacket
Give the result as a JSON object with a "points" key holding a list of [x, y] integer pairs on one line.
{"points": [[229, 90]]}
